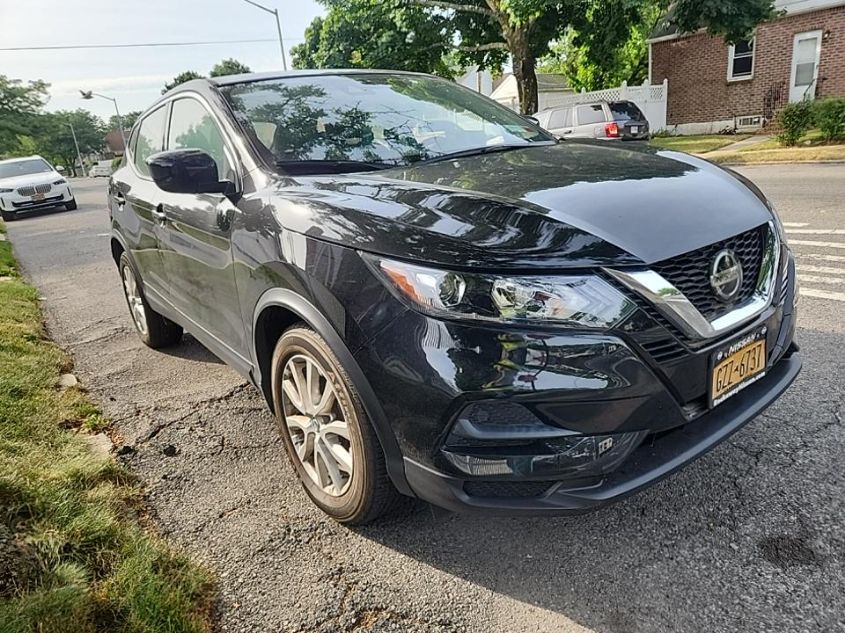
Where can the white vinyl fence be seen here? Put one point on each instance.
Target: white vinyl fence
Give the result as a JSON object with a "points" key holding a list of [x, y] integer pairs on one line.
{"points": [[651, 100]]}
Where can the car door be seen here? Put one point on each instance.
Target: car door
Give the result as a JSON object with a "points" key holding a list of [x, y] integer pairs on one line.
{"points": [[134, 196], [197, 248], [560, 122]]}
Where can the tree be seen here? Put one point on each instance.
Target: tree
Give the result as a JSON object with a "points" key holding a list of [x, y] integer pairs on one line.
{"points": [[20, 107], [56, 139], [181, 78], [127, 119], [377, 34], [608, 48], [229, 67]]}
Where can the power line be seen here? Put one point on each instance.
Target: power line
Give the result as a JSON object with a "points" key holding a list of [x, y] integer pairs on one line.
{"points": [[145, 45]]}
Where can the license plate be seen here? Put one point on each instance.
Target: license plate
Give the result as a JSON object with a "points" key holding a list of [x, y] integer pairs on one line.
{"points": [[37, 197], [736, 366], [635, 129]]}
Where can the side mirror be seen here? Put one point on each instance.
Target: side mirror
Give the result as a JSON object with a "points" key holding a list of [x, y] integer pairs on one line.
{"points": [[531, 119], [187, 171]]}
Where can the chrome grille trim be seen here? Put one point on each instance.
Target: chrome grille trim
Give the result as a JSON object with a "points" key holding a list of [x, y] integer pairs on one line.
{"points": [[677, 309], [31, 191]]}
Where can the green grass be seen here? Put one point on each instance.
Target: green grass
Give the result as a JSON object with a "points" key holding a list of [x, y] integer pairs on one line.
{"points": [[696, 144], [73, 556]]}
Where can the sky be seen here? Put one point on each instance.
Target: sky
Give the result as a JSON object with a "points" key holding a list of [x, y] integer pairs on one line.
{"points": [[135, 76]]}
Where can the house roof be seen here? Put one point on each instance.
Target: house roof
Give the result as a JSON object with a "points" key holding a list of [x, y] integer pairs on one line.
{"points": [[546, 82], [667, 29], [551, 83], [114, 141]]}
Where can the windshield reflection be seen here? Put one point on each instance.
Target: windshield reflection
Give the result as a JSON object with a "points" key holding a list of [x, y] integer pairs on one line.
{"points": [[375, 119]]}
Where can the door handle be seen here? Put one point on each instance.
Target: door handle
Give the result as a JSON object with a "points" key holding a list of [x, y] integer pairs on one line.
{"points": [[159, 214]]}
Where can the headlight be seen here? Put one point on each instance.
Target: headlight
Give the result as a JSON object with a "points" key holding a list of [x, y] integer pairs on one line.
{"points": [[6, 190], [573, 300], [60, 182]]}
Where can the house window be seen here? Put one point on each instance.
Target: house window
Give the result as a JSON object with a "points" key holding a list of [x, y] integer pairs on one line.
{"points": [[741, 60]]}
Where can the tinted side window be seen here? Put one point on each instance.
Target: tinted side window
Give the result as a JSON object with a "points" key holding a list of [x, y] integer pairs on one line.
{"points": [[588, 114], [150, 139], [561, 118], [193, 127]]}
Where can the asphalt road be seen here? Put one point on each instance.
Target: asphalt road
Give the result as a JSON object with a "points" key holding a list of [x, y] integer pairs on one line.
{"points": [[749, 538]]}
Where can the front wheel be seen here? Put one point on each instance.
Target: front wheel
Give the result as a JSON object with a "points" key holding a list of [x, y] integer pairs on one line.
{"points": [[71, 206], [329, 439], [8, 216], [155, 330]]}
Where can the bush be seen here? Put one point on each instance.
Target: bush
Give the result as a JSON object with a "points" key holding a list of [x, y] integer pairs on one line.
{"points": [[794, 120], [115, 163], [829, 117]]}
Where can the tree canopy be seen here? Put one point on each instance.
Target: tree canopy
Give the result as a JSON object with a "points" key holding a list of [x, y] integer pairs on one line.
{"points": [[229, 67], [55, 141], [181, 78], [377, 34], [603, 40], [20, 105]]}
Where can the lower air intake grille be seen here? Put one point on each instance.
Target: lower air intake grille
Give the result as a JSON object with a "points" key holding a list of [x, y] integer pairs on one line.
{"points": [[507, 489]]}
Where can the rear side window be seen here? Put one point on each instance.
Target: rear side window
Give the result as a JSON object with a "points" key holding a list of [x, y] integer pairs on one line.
{"points": [[625, 111], [561, 118], [150, 139], [588, 114], [193, 127]]}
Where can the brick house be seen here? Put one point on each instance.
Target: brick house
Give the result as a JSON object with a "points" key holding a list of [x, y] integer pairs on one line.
{"points": [[715, 86]]}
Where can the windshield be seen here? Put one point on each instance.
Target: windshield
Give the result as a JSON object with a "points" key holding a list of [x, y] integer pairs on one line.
{"points": [[626, 111], [375, 120], [24, 168]]}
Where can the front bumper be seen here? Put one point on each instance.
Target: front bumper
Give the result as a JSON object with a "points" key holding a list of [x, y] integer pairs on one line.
{"points": [[13, 202], [652, 461], [427, 372]]}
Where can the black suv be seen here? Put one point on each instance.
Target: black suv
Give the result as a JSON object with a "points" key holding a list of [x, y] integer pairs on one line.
{"points": [[438, 299]]}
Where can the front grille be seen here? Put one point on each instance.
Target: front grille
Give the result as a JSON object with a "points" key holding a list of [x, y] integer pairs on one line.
{"points": [[507, 489], [690, 272], [31, 191]]}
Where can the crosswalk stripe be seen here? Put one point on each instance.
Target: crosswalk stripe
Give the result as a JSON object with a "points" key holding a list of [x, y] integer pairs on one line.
{"points": [[796, 225], [815, 279], [821, 257], [817, 244], [823, 294], [816, 231], [821, 269]]}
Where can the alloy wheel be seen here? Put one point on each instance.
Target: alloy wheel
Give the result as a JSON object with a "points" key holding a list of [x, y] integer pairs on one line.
{"points": [[317, 426], [136, 303]]}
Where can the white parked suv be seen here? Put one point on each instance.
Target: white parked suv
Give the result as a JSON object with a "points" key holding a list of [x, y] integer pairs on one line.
{"points": [[30, 184]]}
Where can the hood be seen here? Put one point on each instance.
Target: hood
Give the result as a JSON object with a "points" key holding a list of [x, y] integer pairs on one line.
{"points": [[566, 205], [30, 179]]}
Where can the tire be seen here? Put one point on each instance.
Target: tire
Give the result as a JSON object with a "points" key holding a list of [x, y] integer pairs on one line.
{"points": [[8, 216], [365, 492], [71, 206], [154, 330]]}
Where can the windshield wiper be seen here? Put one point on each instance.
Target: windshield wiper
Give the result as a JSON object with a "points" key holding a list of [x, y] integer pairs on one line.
{"points": [[331, 166], [477, 151]]}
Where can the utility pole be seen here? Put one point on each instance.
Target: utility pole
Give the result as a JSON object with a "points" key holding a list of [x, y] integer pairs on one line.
{"points": [[274, 12], [78, 154]]}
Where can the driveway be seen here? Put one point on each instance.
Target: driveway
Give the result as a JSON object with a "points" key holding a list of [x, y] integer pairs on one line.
{"points": [[749, 538]]}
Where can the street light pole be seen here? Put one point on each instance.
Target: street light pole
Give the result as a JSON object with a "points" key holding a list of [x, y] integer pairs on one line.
{"points": [[76, 144], [274, 12], [88, 94]]}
